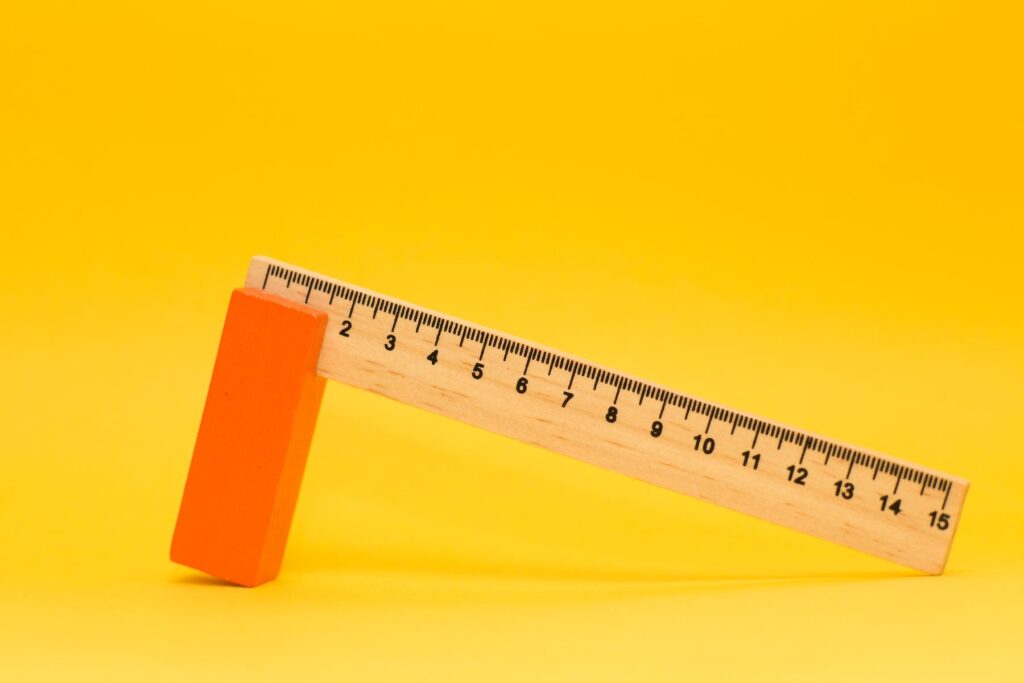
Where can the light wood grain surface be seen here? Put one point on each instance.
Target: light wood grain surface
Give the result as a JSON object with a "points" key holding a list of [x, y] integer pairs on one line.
{"points": [[875, 503]]}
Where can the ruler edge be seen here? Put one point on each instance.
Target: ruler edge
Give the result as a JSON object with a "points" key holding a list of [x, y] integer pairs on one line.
{"points": [[953, 479], [258, 270]]}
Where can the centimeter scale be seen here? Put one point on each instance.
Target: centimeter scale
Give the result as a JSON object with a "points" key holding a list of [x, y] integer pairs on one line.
{"points": [[266, 388]]}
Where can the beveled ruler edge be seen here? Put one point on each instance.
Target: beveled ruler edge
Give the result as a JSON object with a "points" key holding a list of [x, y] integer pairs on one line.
{"points": [[926, 549]]}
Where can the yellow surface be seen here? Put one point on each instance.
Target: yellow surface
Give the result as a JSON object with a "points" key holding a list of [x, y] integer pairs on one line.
{"points": [[806, 210]]}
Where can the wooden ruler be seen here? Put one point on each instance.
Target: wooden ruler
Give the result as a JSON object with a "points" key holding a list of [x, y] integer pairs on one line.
{"points": [[865, 500]]}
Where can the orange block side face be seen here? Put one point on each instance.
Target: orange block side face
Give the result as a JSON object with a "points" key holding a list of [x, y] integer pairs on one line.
{"points": [[253, 440]]}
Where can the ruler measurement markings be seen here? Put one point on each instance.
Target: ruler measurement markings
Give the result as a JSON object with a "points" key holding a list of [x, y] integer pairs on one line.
{"points": [[932, 484]]}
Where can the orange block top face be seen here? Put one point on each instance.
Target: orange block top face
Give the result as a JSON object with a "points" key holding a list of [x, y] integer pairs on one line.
{"points": [[253, 440]]}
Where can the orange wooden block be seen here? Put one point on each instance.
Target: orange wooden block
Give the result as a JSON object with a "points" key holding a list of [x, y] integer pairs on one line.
{"points": [[253, 440]]}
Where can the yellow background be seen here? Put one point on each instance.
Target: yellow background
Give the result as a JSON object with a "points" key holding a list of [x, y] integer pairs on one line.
{"points": [[805, 210]]}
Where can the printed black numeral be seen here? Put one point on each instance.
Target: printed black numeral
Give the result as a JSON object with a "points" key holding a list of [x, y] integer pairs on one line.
{"points": [[522, 384], [797, 475], [433, 357], [612, 415], [705, 444], [844, 489], [478, 371], [940, 520], [568, 397], [390, 346], [893, 507], [656, 428], [346, 327], [751, 459]]}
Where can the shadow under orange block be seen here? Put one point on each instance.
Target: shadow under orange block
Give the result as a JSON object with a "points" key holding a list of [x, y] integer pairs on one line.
{"points": [[253, 440]]}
